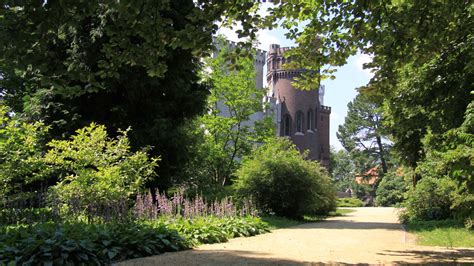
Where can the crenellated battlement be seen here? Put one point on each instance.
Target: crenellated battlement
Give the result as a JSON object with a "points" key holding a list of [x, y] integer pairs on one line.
{"points": [[260, 57], [325, 109], [275, 49], [275, 61]]}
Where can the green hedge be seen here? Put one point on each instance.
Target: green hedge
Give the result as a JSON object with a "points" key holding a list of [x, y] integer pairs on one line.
{"points": [[349, 202], [79, 243]]}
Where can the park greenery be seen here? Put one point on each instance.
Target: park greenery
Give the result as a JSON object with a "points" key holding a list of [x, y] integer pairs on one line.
{"points": [[113, 144], [282, 182]]}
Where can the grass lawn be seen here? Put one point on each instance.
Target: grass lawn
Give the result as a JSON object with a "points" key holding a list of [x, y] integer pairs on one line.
{"points": [[341, 212], [276, 222], [442, 233]]}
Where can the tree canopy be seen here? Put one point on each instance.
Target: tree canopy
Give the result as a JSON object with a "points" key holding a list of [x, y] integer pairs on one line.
{"points": [[117, 63], [362, 133]]}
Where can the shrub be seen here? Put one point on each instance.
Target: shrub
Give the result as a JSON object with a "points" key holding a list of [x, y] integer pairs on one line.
{"points": [[450, 156], [97, 173], [22, 170], [390, 190], [431, 199], [349, 202], [278, 178]]}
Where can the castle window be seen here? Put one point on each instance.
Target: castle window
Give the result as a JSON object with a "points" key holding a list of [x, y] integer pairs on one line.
{"points": [[287, 125], [299, 122], [317, 115], [310, 119]]}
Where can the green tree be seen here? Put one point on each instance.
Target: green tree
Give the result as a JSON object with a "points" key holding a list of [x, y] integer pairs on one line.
{"points": [[23, 172], [227, 130], [422, 58], [342, 169], [117, 63], [361, 134], [431, 98], [394, 32], [391, 189]]}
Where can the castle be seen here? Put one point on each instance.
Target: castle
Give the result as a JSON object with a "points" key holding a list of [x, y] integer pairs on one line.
{"points": [[297, 114]]}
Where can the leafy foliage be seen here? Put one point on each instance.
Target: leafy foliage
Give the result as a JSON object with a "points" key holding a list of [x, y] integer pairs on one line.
{"points": [[362, 133], [226, 132], [342, 170], [449, 156], [96, 171], [431, 199], [423, 69], [394, 32], [429, 100], [391, 190], [116, 63], [85, 243], [22, 169], [76, 243], [280, 180], [12, 216], [212, 229]]}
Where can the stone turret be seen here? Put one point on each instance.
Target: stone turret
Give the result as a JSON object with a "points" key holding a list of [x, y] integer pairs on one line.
{"points": [[300, 115]]}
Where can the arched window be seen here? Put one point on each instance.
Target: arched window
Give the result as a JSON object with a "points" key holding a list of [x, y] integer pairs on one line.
{"points": [[287, 125], [299, 122], [310, 119], [316, 115]]}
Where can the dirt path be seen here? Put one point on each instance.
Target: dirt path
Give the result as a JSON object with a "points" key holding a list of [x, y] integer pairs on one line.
{"points": [[366, 236]]}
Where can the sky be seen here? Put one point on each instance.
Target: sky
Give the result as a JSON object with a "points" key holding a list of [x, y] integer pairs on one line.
{"points": [[339, 92]]}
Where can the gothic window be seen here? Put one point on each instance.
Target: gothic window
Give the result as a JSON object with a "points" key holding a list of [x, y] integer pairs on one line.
{"points": [[310, 119], [299, 122], [287, 125], [317, 115]]}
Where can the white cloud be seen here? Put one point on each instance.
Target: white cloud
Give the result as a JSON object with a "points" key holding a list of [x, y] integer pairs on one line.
{"points": [[360, 60]]}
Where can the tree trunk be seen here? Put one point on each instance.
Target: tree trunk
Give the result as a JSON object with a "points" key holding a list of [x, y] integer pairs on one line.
{"points": [[382, 155]]}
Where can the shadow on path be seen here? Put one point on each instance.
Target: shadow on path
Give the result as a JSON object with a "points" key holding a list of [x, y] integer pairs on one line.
{"points": [[441, 257], [347, 224], [235, 257]]}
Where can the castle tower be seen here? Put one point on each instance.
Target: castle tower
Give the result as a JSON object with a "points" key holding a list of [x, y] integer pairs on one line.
{"points": [[300, 115]]}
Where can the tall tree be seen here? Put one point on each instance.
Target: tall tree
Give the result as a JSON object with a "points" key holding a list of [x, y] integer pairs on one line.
{"points": [[118, 63], [228, 129], [415, 47], [342, 169], [361, 134]]}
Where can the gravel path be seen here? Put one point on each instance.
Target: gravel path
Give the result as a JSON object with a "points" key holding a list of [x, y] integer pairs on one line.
{"points": [[366, 236]]}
